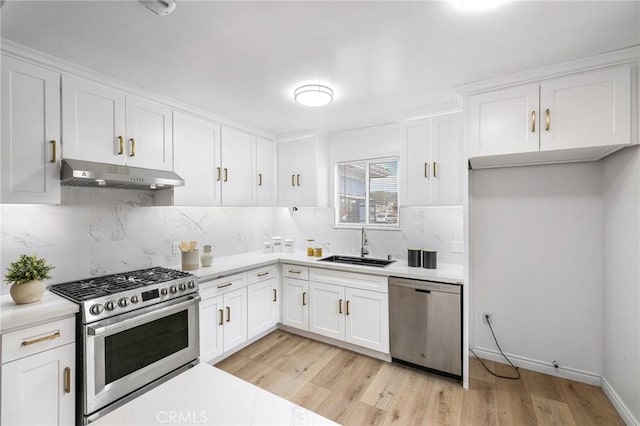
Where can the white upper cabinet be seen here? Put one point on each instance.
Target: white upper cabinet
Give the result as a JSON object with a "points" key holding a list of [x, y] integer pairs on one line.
{"points": [[583, 116], [104, 124], [149, 134], [238, 172], [266, 172], [299, 163], [196, 160], [30, 133], [432, 161]]}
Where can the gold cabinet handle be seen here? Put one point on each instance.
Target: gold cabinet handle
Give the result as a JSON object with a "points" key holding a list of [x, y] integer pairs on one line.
{"points": [[226, 174], [263, 274], [548, 120], [293, 180], [228, 314], [259, 179], [435, 169], [533, 121], [426, 170], [221, 312], [304, 299], [291, 271], [41, 339], [348, 307], [298, 180], [67, 380], [133, 147], [53, 151], [340, 306], [225, 285], [120, 145], [275, 295], [218, 171]]}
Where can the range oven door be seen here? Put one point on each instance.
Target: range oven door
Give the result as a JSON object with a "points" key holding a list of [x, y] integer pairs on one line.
{"points": [[127, 352]]}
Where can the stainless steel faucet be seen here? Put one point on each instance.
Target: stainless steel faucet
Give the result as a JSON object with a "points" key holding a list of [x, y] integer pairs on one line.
{"points": [[364, 250]]}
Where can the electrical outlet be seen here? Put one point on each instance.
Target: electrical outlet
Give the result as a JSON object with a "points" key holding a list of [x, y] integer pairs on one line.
{"points": [[457, 247], [175, 249], [485, 316]]}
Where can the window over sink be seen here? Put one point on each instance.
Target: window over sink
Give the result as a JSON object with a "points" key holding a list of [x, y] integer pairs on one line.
{"points": [[367, 193]]}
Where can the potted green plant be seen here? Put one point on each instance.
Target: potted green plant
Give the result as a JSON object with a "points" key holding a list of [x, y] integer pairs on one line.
{"points": [[26, 276]]}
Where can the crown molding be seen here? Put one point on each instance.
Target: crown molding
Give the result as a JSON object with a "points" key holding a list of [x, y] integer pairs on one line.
{"points": [[627, 55]]}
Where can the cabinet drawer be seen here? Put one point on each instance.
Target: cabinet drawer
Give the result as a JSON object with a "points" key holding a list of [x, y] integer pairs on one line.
{"points": [[349, 279], [222, 285], [295, 271], [29, 341], [264, 273]]}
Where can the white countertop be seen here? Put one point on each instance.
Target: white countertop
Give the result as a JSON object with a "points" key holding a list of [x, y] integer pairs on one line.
{"points": [[50, 307], [227, 265], [205, 395]]}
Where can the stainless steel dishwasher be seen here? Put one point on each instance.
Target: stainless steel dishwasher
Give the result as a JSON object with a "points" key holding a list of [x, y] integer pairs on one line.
{"points": [[425, 325]]}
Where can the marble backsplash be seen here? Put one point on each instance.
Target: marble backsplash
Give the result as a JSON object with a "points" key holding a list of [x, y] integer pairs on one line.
{"points": [[101, 231]]}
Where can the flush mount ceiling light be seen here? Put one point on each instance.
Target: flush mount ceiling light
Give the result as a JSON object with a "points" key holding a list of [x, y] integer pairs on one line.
{"points": [[313, 95], [160, 7]]}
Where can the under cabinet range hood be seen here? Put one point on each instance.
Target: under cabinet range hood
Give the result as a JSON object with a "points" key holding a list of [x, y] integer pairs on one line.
{"points": [[101, 175]]}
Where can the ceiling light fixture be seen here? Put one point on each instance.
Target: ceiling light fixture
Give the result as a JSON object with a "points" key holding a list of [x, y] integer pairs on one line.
{"points": [[313, 95], [159, 7]]}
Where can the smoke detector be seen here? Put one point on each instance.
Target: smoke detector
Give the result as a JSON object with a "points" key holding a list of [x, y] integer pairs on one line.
{"points": [[159, 7]]}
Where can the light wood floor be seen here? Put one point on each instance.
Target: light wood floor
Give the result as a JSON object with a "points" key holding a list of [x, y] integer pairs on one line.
{"points": [[354, 389]]}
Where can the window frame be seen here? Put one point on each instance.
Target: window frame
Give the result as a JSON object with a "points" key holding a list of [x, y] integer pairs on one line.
{"points": [[367, 223]]}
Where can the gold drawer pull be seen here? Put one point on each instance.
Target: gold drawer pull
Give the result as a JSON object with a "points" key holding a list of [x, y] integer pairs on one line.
{"points": [[53, 151], [225, 285], [340, 306], [133, 147], [435, 169], [221, 316], [262, 274], [67, 380], [218, 172], [426, 170], [228, 314], [121, 145], [41, 339], [226, 174], [259, 179], [548, 119], [298, 179], [293, 180], [291, 271], [533, 121], [348, 307], [275, 295], [304, 299]]}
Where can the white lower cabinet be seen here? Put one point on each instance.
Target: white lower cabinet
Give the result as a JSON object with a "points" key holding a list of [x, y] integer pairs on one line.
{"points": [[326, 316], [295, 308], [211, 328], [39, 389], [263, 300], [235, 318]]}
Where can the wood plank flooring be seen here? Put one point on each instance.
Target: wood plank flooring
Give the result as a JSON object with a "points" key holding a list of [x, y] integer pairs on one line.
{"points": [[354, 389]]}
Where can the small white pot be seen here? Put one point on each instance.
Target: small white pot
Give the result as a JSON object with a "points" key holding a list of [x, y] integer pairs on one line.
{"points": [[28, 292]]}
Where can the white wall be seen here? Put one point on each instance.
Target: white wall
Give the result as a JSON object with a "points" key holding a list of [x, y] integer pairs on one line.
{"points": [[621, 295], [536, 265]]}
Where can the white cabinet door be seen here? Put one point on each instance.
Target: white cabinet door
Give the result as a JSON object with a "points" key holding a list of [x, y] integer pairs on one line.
{"points": [[367, 319], [266, 169], [211, 328], [297, 172], [235, 318], [586, 110], [40, 389], [93, 121], [502, 121], [326, 304], [295, 309], [447, 162], [238, 168], [149, 134], [262, 301], [417, 160], [30, 133], [196, 160]]}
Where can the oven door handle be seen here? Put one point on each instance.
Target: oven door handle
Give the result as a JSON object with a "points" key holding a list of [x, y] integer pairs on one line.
{"points": [[141, 319]]}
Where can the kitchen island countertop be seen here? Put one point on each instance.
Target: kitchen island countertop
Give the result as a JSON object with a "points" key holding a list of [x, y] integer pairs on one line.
{"points": [[206, 395]]}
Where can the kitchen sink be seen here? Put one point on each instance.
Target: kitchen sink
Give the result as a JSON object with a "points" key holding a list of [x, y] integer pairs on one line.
{"points": [[364, 261]]}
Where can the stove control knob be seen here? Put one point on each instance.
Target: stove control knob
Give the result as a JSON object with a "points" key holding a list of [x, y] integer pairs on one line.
{"points": [[191, 285], [123, 302], [182, 287], [164, 291], [134, 299], [109, 306], [96, 309], [173, 289]]}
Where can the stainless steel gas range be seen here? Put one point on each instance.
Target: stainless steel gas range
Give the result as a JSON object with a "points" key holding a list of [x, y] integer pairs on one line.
{"points": [[134, 331]]}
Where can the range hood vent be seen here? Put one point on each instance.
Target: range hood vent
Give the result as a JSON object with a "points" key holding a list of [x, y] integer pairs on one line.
{"points": [[100, 175]]}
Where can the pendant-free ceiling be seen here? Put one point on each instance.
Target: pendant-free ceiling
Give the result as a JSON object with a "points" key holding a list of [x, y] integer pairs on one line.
{"points": [[313, 95]]}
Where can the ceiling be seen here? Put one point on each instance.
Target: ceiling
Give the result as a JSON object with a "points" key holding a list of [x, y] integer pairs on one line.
{"points": [[386, 61]]}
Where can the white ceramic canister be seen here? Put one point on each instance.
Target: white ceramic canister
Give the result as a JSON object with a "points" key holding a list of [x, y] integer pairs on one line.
{"points": [[288, 245], [277, 244], [268, 247]]}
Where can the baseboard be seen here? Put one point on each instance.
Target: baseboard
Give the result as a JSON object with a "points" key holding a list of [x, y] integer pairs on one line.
{"points": [[542, 367], [618, 404]]}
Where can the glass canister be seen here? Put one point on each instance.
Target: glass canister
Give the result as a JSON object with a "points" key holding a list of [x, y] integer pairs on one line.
{"points": [[310, 250], [276, 244], [288, 245], [206, 259]]}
